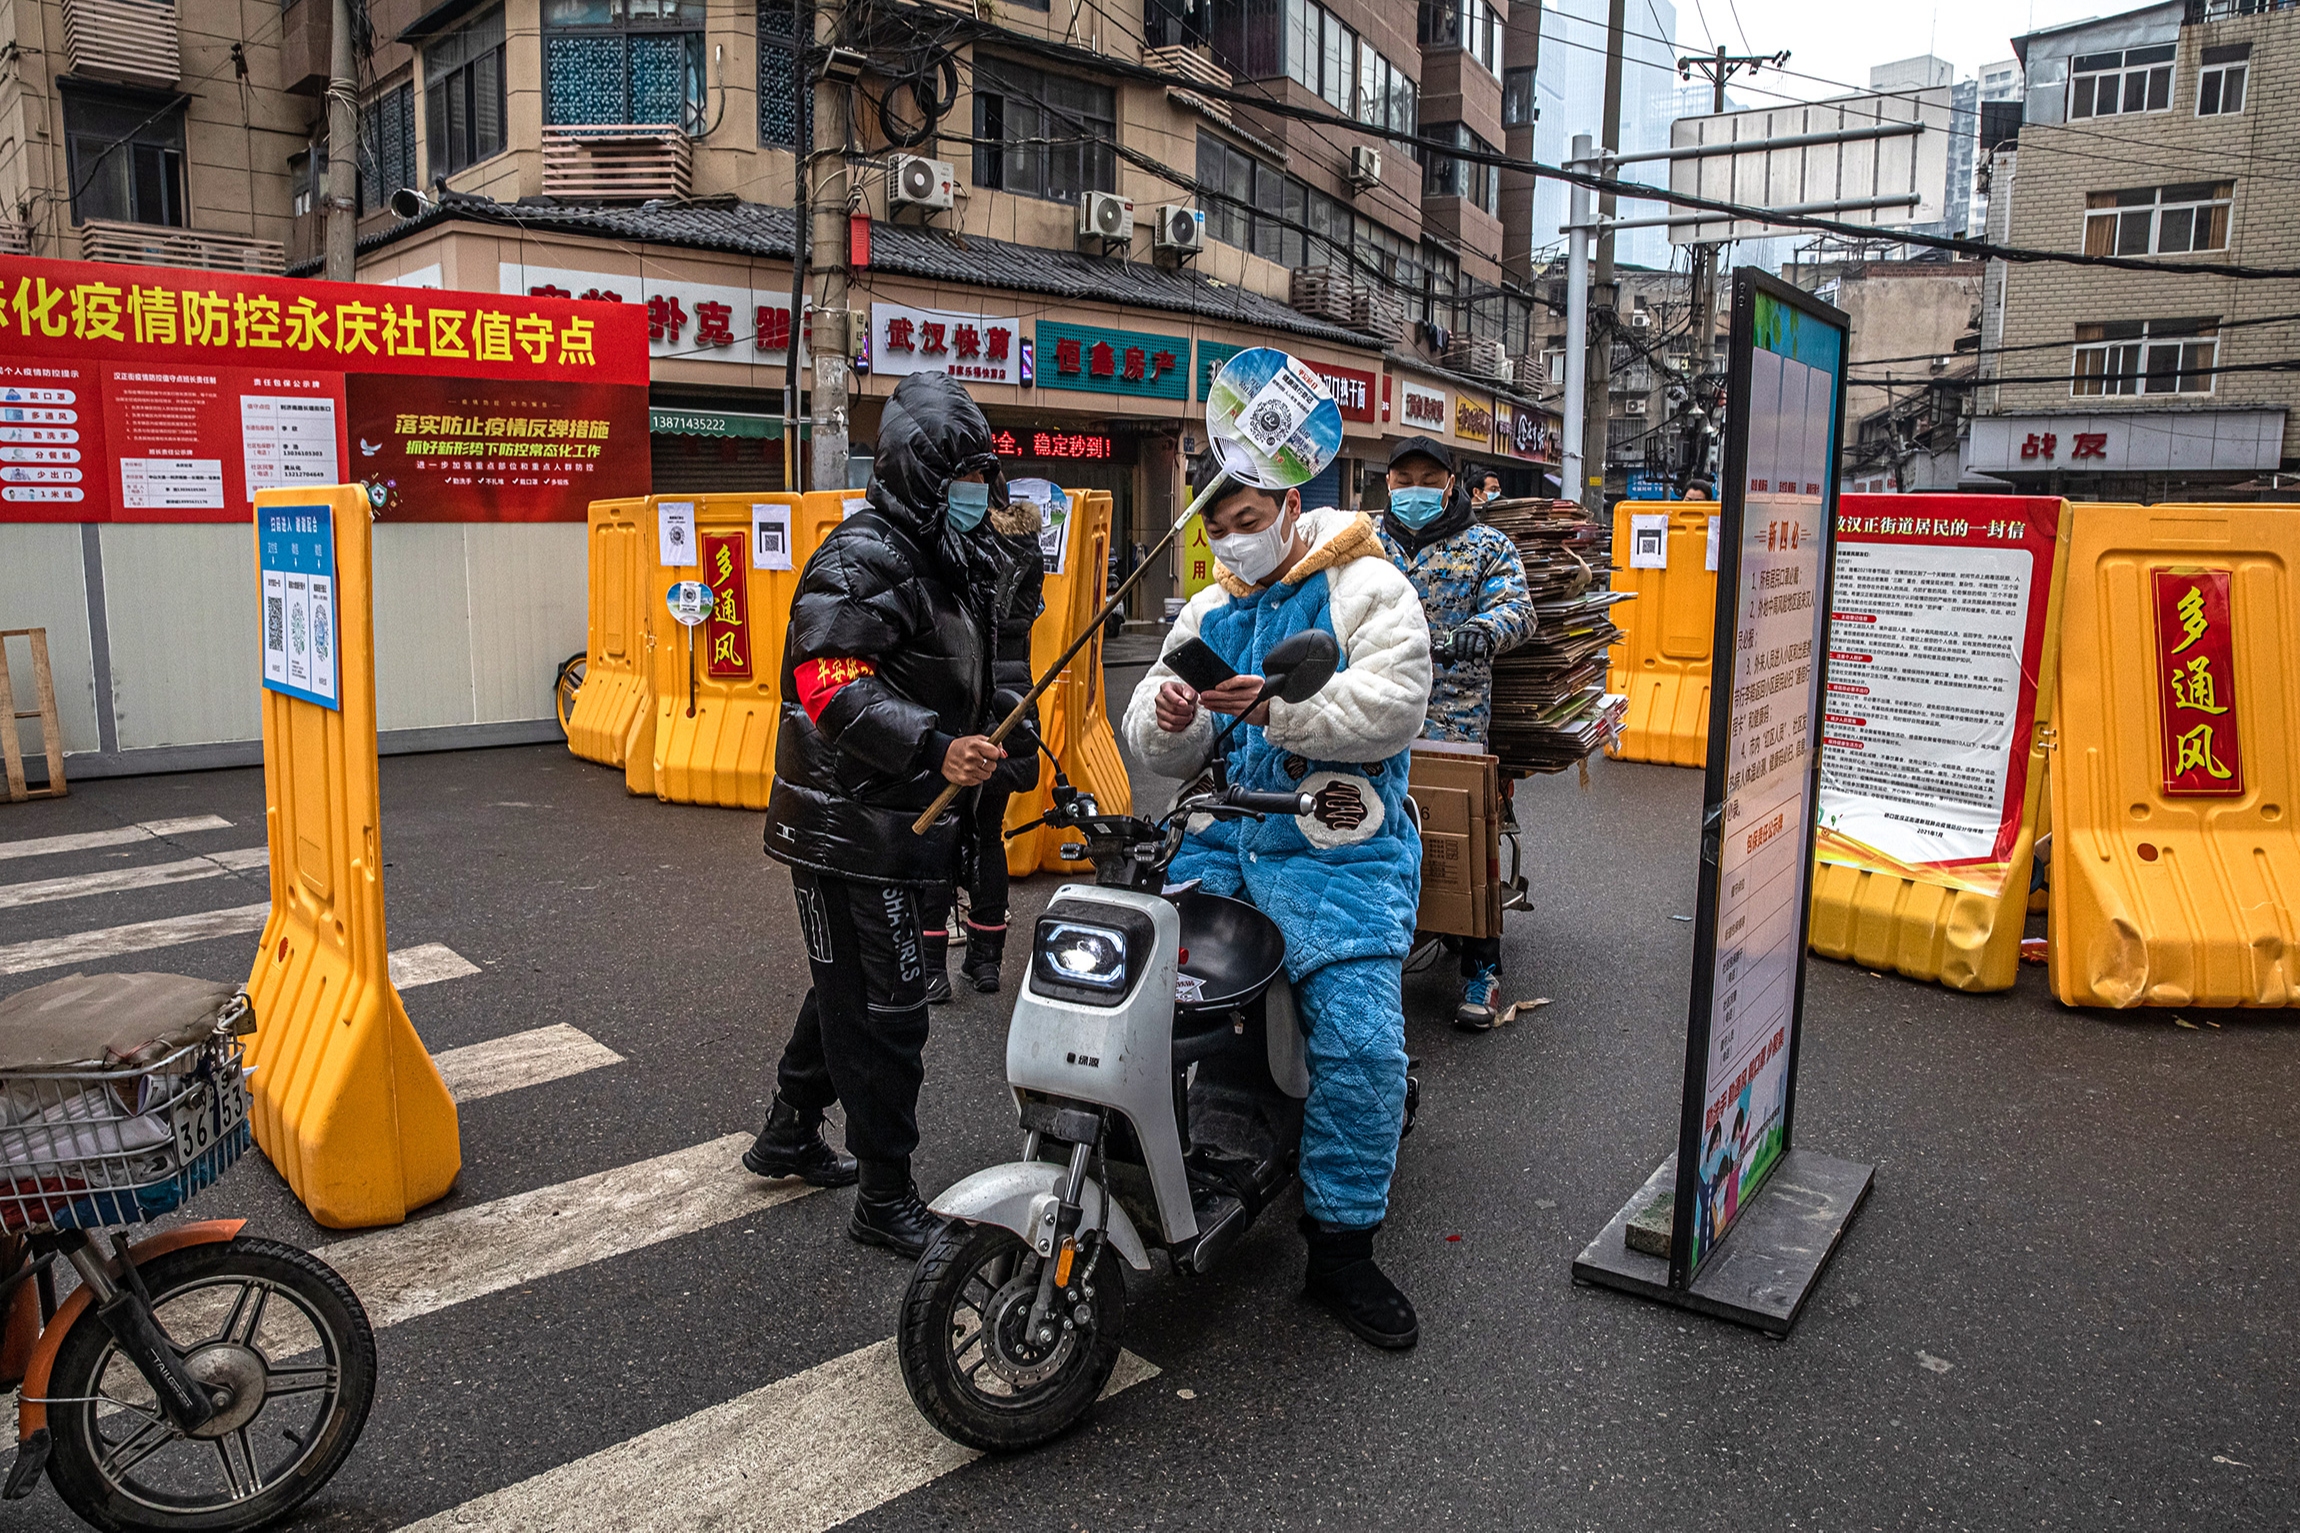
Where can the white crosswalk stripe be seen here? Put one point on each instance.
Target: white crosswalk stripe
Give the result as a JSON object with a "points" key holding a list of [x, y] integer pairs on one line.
{"points": [[124, 835], [428, 964], [121, 880], [137, 937], [465, 1253], [800, 1455], [488, 1069]]}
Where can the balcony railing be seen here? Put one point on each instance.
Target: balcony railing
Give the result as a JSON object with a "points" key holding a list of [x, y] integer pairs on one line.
{"points": [[2201, 11], [131, 40], [1478, 356], [1175, 59], [617, 162], [156, 245]]}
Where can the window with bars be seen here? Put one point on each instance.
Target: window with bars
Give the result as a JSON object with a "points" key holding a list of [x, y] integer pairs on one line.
{"points": [[623, 61], [126, 158], [1445, 175], [2158, 220], [463, 95], [387, 148], [1043, 135], [2113, 84], [1469, 25], [2220, 83], [784, 104], [2151, 356]]}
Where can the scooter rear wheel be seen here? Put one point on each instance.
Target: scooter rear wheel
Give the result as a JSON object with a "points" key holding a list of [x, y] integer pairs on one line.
{"points": [[965, 1354], [282, 1343]]}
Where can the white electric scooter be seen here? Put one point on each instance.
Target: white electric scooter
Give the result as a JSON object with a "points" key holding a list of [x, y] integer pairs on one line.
{"points": [[1158, 1073]]}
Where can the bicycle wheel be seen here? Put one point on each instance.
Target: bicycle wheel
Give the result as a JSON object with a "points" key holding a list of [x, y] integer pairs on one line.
{"points": [[568, 683], [282, 1342]]}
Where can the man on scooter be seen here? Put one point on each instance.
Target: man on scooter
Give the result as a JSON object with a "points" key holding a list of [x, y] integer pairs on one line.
{"points": [[1473, 594], [1343, 882]]}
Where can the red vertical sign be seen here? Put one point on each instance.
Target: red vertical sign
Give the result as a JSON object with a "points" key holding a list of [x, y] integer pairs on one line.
{"points": [[727, 631], [2196, 685]]}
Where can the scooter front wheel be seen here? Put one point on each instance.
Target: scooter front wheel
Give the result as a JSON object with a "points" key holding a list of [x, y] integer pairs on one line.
{"points": [[970, 1359]]}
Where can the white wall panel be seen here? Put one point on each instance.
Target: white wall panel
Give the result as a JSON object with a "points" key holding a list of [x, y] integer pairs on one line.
{"points": [[42, 586], [422, 626], [180, 603], [529, 585]]}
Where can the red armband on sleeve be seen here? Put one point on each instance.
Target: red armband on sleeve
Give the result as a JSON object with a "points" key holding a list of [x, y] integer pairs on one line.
{"points": [[820, 680]]}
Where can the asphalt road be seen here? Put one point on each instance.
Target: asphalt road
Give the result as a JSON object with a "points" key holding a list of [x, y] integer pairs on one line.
{"points": [[2071, 1301]]}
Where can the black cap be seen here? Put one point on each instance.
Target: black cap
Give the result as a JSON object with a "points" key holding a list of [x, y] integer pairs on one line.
{"points": [[1423, 447]]}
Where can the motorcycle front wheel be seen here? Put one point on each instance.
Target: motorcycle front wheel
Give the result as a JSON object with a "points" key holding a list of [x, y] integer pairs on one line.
{"points": [[967, 1358], [281, 1343]]}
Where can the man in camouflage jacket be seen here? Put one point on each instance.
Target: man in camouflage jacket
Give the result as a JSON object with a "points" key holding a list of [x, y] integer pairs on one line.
{"points": [[1473, 593]]}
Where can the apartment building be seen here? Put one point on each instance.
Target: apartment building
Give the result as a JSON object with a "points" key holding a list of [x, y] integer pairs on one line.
{"points": [[1079, 181], [2148, 134]]}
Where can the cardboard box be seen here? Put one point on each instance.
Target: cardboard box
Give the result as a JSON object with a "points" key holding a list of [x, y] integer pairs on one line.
{"points": [[1457, 796]]}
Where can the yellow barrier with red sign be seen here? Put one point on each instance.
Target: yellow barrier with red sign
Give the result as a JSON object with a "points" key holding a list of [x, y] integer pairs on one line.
{"points": [[2176, 869], [1663, 553], [1073, 714], [348, 1104], [615, 690]]}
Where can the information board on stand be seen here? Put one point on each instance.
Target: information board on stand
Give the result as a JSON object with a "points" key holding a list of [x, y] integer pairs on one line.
{"points": [[1738, 1223]]}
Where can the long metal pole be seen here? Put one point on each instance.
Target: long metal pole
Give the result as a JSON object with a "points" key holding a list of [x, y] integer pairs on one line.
{"points": [[833, 251], [1598, 394], [342, 225], [1576, 322], [801, 162]]}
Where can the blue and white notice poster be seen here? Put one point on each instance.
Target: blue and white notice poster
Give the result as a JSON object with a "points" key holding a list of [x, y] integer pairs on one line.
{"points": [[295, 560]]}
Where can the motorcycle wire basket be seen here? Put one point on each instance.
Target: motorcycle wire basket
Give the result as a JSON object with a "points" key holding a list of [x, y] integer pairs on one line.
{"points": [[80, 1149]]}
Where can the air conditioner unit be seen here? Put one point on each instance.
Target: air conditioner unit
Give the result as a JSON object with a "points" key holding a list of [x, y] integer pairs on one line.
{"points": [[1365, 167], [1179, 229], [1634, 406], [914, 181], [1106, 216], [1641, 319]]}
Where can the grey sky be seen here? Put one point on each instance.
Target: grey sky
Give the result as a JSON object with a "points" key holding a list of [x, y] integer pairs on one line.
{"points": [[1841, 47]]}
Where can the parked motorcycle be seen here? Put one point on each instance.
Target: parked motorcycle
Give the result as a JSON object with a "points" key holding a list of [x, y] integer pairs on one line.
{"points": [[196, 1379], [1158, 1072]]}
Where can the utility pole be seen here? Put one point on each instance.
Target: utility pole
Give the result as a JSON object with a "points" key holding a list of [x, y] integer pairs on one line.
{"points": [[1717, 68], [833, 253], [1597, 394], [1576, 395], [342, 227], [802, 156]]}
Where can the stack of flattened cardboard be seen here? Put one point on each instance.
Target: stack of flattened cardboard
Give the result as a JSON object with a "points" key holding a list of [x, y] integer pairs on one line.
{"points": [[1550, 706], [1457, 791]]}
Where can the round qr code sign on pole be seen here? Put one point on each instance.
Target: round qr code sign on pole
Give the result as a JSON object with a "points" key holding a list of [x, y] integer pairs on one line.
{"points": [[690, 601]]}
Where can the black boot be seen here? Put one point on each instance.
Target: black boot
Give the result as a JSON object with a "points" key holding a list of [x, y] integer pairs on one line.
{"points": [[936, 946], [985, 951], [888, 1211], [792, 1144], [1342, 1276]]}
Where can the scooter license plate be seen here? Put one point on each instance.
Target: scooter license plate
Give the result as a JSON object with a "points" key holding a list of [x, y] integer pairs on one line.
{"points": [[206, 1118]]}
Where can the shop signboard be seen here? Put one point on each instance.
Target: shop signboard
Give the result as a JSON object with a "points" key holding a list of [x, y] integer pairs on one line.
{"points": [[1785, 394], [1422, 410], [160, 394], [1936, 642], [1073, 446], [1525, 432], [973, 348], [1211, 356], [1354, 391], [1473, 420], [689, 321], [1100, 361]]}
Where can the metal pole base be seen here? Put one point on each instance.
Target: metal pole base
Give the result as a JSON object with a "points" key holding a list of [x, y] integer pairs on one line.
{"points": [[1769, 1262]]}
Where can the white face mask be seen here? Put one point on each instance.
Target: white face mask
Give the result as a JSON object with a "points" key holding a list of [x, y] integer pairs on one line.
{"points": [[1252, 556]]}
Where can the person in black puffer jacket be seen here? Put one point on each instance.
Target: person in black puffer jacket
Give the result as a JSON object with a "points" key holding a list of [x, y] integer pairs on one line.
{"points": [[887, 672]]}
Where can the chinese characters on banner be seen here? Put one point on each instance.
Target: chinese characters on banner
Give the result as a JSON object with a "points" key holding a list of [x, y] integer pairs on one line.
{"points": [[2196, 656], [973, 348], [1525, 432], [1052, 444], [2045, 446], [1934, 649], [1103, 361], [1472, 421], [727, 632], [167, 395], [1422, 411], [1353, 391], [694, 321], [295, 568]]}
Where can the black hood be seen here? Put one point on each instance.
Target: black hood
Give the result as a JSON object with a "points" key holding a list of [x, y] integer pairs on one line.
{"points": [[1457, 515], [931, 432]]}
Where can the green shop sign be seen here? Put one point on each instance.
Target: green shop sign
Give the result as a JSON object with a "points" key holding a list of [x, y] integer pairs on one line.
{"points": [[1100, 361], [1211, 356]]}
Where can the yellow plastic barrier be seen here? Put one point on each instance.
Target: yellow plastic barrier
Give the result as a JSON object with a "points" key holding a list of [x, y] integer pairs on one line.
{"points": [[1073, 714], [1662, 663], [1923, 922], [348, 1104], [615, 691], [2176, 867]]}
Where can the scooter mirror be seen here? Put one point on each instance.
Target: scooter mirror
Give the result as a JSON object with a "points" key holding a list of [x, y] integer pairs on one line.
{"points": [[1297, 667]]}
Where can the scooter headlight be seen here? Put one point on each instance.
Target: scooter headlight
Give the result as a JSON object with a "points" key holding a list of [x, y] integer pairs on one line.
{"points": [[1074, 953]]}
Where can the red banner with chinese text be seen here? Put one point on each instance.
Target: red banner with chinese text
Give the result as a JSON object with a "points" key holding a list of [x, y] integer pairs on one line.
{"points": [[727, 631], [162, 394], [2196, 685]]}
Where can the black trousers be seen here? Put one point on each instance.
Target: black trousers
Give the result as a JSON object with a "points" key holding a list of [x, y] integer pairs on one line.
{"points": [[981, 867], [861, 1032]]}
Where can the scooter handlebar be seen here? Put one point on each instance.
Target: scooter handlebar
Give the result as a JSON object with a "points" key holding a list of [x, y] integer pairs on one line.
{"points": [[1266, 803]]}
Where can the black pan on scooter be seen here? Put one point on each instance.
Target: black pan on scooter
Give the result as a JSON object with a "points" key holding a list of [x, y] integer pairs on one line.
{"points": [[1234, 950]]}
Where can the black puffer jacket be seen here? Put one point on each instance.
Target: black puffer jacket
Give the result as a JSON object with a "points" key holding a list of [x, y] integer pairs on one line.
{"points": [[1021, 589], [889, 653]]}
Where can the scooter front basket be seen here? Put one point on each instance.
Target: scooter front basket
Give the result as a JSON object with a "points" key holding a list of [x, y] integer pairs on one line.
{"points": [[1234, 951]]}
